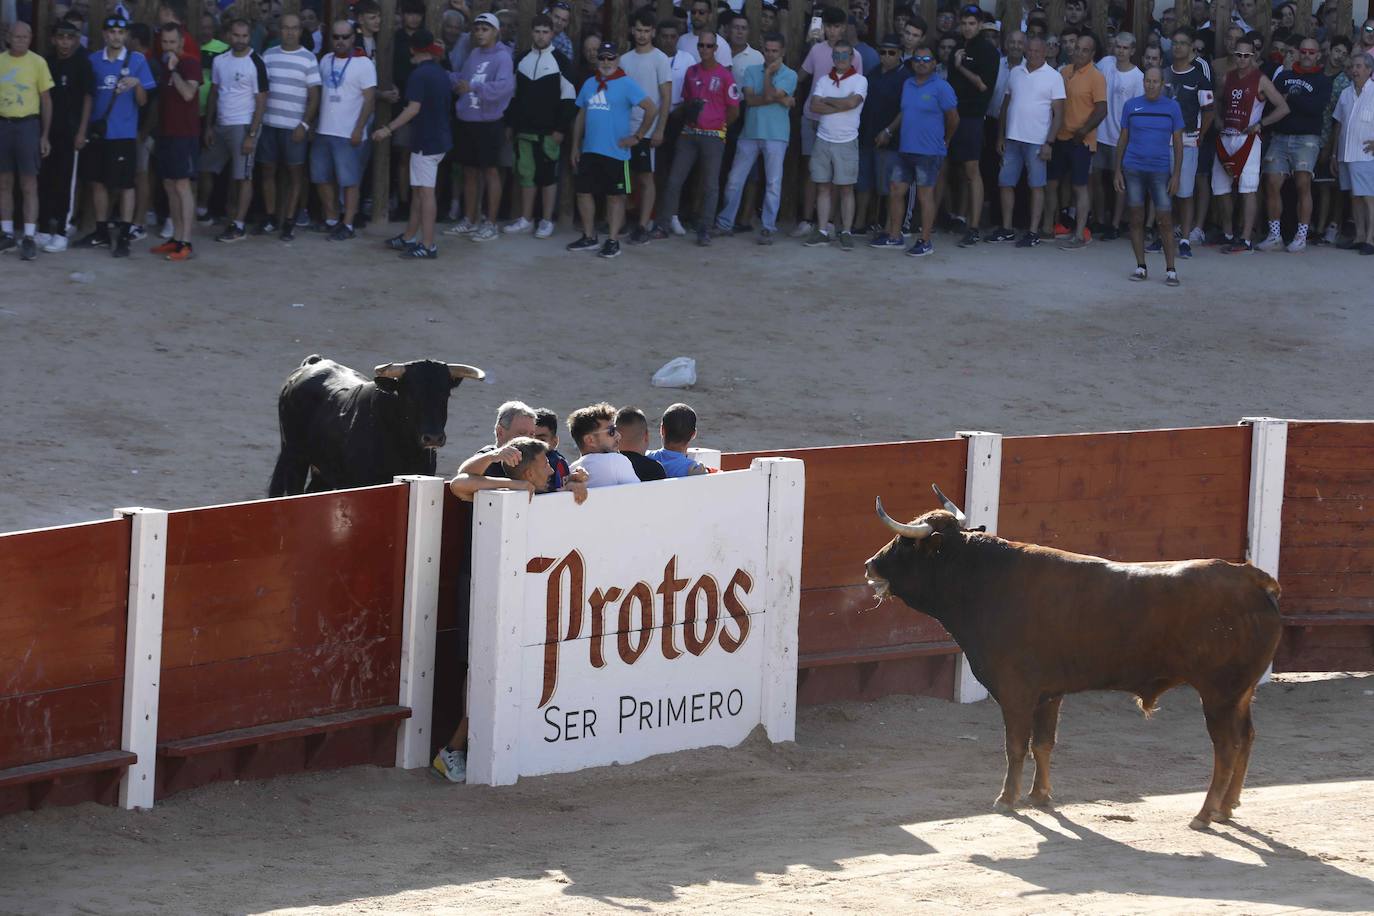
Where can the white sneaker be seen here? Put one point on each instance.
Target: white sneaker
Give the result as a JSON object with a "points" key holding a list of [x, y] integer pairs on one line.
{"points": [[1332, 233], [462, 227], [42, 238], [56, 245], [136, 233], [1196, 237], [803, 229], [1297, 246], [451, 765], [545, 229], [676, 227], [485, 232], [167, 230], [520, 225], [1270, 243]]}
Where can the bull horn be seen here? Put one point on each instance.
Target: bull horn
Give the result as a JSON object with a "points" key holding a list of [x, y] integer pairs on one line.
{"points": [[389, 370], [458, 371], [915, 532], [950, 507]]}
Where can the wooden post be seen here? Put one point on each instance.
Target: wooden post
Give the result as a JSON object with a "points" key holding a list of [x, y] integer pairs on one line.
{"points": [[664, 10], [793, 25], [1262, 24], [1221, 21], [1054, 14], [1345, 17], [1302, 24], [1183, 15], [575, 31], [434, 16], [930, 10], [525, 11], [881, 20], [381, 152], [753, 11], [424, 530], [619, 23], [42, 20], [143, 653], [289, 7], [96, 12], [1141, 12], [1097, 13], [1012, 13]]}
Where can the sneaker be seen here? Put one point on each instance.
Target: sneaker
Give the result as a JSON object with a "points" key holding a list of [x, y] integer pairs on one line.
{"points": [[640, 236], [1185, 250], [233, 233], [846, 241], [704, 239], [121, 247], [1297, 246], [1332, 233], [517, 227], [658, 234], [675, 226], [342, 233], [921, 249], [1270, 243], [451, 765], [1140, 273], [268, 227], [1110, 233], [485, 232], [956, 225], [803, 230], [883, 240], [765, 236], [205, 219], [1001, 234], [324, 227], [544, 229], [398, 243], [303, 219], [184, 252], [28, 248], [166, 247], [1366, 248], [817, 237], [1156, 246], [420, 252], [1171, 278], [1238, 246], [970, 239], [1062, 231], [1196, 237], [1073, 244], [57, 245], [612, 249], [288, 233], [168, 230], [42, 238], [7, 242], [585, 243], [462, 227], [136, 233], [1029, 240]]}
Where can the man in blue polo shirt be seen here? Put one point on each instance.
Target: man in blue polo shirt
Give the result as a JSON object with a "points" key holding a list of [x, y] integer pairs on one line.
{"points": [[1149, 155], [928, 119], [108, 141]]}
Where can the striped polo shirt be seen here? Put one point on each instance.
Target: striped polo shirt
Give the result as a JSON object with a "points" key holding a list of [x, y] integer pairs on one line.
{"points": [[290, 74]]}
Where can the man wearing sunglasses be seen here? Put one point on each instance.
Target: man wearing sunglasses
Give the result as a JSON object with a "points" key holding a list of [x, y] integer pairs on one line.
{"points": [[837, 100], [1295, 143], [1241, 117], [1031, 114], [336, 158], [711, 101], [593, 431]]}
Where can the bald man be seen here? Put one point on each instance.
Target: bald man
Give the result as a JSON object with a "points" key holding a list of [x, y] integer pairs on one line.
{"points": [[25, 117]]}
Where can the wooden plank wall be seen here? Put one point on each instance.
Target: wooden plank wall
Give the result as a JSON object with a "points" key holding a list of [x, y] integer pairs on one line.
{"points": [[848, 648], [277, 610], [1326, 551], [63, 612]]}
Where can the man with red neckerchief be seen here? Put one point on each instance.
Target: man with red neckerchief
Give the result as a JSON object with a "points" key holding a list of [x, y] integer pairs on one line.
{"points": [[1240, 105], [1296, 142]]}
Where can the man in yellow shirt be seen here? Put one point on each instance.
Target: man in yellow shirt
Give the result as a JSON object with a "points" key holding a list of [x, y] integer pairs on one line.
{"points": [[1085, 105], [25, 115]]}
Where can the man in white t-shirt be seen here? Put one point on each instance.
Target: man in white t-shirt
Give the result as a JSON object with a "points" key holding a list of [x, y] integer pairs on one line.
{"points": [[701, 21], [837, 100], [1125, 81], [336, 158], [593, 431], [819, 60], [233, 118], [293, 100], [742, 57], [1032, 114], [653, 73]]}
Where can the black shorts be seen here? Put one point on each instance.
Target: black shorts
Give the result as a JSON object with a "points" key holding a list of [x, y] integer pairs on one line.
{"points": [[1070, 160], [600, 175], [642, 157], [967, 143], [177, 157], [479, 143], [112, 163]]}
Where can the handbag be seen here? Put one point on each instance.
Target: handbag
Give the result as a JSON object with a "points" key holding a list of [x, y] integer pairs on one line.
{"points": [[96, 129]]}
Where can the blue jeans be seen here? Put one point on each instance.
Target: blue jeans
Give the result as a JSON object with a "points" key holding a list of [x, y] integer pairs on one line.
{"points": [[1154, 185], [1021, 155], [774, 151]]}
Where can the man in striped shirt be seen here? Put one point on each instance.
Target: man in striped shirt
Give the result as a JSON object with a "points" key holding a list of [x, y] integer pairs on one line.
{"points": [[293, 98]]}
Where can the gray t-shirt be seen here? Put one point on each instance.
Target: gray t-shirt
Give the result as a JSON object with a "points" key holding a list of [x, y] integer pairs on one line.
{"points": [[649, 71]]}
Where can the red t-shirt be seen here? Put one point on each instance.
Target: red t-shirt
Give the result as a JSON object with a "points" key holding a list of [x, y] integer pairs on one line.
{"points": [[178, 117], [717, 90]]}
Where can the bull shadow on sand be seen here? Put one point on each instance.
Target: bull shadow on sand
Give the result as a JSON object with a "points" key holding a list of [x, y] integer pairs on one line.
{"points": [[1075, 859]]}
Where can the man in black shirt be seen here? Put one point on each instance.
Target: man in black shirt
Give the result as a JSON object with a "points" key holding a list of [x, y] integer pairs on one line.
{"points": [[973, 75], [1188, 82], [73, 86], [633, 427], [1295, 144]]}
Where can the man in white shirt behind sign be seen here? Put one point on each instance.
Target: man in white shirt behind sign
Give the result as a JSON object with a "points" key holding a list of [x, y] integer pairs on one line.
{"points": [[593, 430]]}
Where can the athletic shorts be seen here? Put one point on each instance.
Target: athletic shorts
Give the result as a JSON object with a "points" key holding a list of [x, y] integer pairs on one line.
{"points": [[1151, 185], [479, 144], [1020, 155], [912, 168], [335, 160], [1249, 176], [602, 176], [967, 143], [228, 150], [1104, 160], [19, 145], [1071, 160], [536, 160], [111, 163], [424, 170], [1285, 154], [835, 163], [177, 157], [642, 157], [275, 145], [1187, 174]]}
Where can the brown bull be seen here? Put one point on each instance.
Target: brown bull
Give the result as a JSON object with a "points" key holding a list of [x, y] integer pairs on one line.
{"points": [[1037, 623]]}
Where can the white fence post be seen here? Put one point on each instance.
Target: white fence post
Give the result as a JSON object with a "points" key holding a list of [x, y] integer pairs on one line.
{"points": [[1268, 456], [786, 501], [499, 522], [143, 653], [982, 502], [424, 531], [707, 456]]}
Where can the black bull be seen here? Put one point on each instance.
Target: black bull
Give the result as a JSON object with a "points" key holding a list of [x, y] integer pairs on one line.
{"points": [[343, 429], [1037, 623]]}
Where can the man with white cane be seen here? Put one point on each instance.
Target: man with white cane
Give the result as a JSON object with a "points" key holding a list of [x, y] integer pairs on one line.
{"points": [[71, 108]]}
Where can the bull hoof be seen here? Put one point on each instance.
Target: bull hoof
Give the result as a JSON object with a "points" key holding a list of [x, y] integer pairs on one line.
{"points": [[1199, 823], [1002, 806], [1043, 802]]}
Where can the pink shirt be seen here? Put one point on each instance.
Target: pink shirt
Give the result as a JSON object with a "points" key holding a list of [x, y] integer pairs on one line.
{"points": [[818, 63], [716, 87]]}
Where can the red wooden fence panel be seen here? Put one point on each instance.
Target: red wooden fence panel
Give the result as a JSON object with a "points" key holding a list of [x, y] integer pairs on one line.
{"points": [[848, 648], [281, 609], [63, 606], [1326, 548]]}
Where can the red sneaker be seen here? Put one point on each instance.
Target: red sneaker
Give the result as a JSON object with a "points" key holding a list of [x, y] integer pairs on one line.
{"points": [[167, 247], [184, 252]]}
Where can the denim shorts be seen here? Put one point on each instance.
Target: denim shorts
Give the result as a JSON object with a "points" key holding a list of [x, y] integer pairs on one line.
{"points": [[1154, 185], [914, 168], [335, 160], [1289, 153], [1021, 155], [875, 168]]}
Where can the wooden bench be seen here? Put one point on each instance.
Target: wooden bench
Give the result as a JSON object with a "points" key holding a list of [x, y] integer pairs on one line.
{"points": [[246, 741], [881, 654], [40, 777]]}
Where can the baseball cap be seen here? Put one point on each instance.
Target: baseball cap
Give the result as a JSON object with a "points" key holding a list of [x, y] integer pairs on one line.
{"points": [[115, 22], [66, 25], [488, 19], [971, 9], [890, 40], [421, 40], [608, 47]]}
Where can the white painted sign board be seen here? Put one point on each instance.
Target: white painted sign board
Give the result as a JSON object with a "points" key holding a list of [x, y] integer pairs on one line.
{"points": [[653, 618]]}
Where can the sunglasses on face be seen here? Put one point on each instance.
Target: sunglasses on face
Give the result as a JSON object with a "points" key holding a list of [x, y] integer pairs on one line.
{"points": [[888, 53], [923, 59], [710, 47], [1242, 54], [605, 57], [840, 55], [343, 37]]}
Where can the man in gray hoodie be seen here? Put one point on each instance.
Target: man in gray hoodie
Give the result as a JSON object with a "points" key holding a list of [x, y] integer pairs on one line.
{"points": [[484, 86]]}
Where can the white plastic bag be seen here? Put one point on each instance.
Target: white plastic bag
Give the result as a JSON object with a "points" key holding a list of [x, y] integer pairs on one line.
{"points": [[678, 372]]}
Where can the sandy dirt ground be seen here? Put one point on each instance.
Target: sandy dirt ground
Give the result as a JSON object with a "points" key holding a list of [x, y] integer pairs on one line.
{"points": [[877, 808]]}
